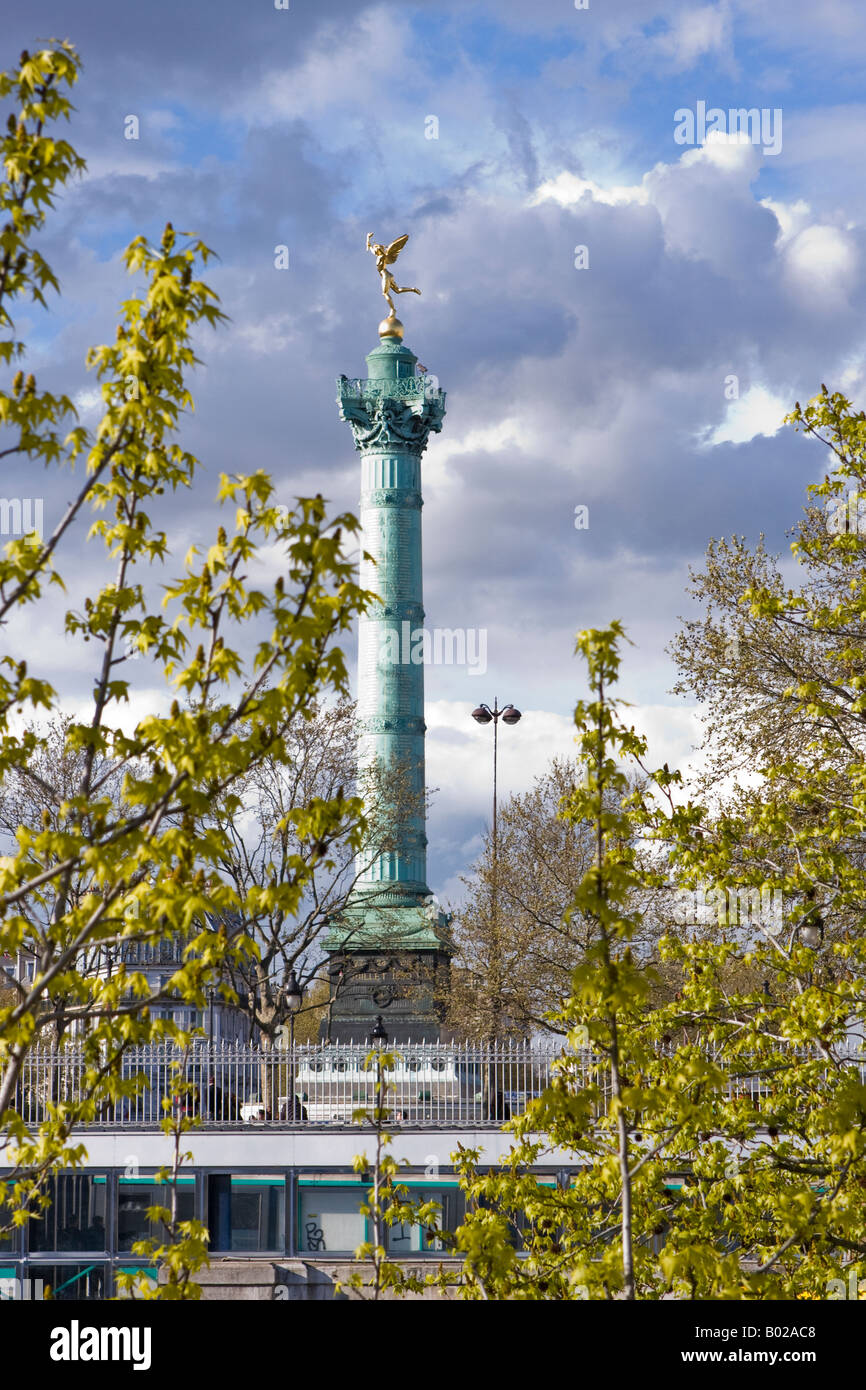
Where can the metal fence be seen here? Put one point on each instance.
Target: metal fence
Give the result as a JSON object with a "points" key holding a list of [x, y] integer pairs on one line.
{"points": [[443, 1085]]}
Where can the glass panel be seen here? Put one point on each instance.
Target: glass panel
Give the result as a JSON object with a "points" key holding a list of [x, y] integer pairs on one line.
{"points": [[246, 1213], [68, 1283], [452, 1212], [408, 1240], [331, 1219], [8, 1236], [133, 1200], [402, 1239], [75, 1219]]}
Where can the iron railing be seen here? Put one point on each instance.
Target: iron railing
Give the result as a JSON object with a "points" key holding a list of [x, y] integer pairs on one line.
{"points": [[439, 1086], [410, 388]]}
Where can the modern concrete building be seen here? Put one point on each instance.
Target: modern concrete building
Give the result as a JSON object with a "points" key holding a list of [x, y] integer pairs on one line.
{"points": [[278, 1191]]}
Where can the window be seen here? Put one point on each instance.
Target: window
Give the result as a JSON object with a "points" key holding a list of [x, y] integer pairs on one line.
{"points": [[75, 1219], [8, 1234], [71, 1283], [134, 1196], [246, 1212], [330, 1219], [403, 1239]]}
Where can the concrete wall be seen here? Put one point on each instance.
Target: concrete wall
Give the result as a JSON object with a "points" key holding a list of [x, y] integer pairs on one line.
{"points": [[317, 1146], [291, 1281]]}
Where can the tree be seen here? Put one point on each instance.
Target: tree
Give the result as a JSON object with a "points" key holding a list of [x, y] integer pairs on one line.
{"points": [[313, 1012], [587, 1239], [802, 830], [779, 670], [33, 797], [513, 968], [752, 1096], [262, 850], [108, 868], [758, 645]]}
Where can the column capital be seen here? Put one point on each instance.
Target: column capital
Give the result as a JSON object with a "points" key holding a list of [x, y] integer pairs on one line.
{"points": [[387, 415]]}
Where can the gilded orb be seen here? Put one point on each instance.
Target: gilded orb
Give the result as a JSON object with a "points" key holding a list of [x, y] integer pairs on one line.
{"points": [[391, 327]]}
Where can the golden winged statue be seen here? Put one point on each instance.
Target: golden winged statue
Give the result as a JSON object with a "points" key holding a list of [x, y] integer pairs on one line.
{"points": [[385, 256]]}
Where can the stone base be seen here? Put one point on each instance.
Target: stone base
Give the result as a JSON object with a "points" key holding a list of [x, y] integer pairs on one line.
{"points": [[388, 958], [407, 988]]}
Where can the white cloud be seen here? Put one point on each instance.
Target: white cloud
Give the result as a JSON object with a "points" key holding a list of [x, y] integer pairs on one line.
{"points": [[852, 376], [758, 411], [460, 765], [460, 752], [820, 259], [513, 432], [267, 335], [694, 33], [128, 160], [729, 150], [791, 217], [707, 207], [704, 200], [821, 263], [88, 403], [127, 715], [567, 189]]}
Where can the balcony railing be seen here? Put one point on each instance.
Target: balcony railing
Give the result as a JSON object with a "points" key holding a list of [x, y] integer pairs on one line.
{"points": [[410, 388], [440, 1086]]}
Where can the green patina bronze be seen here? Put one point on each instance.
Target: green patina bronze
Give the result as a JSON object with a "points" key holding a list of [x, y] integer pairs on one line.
{"points": [[391, 413]]}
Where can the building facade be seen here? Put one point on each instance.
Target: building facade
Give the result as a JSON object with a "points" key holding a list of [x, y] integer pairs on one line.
{"points": [[276, 1187]]}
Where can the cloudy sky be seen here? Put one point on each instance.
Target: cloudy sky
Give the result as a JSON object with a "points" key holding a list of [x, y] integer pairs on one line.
{"points": [[591, 285]]}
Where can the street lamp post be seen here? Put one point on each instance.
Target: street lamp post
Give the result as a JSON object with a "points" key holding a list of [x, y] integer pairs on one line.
{"points": [[294, 999], [378, 1036], [485, 715], [379, 1039], [812, 932]]}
